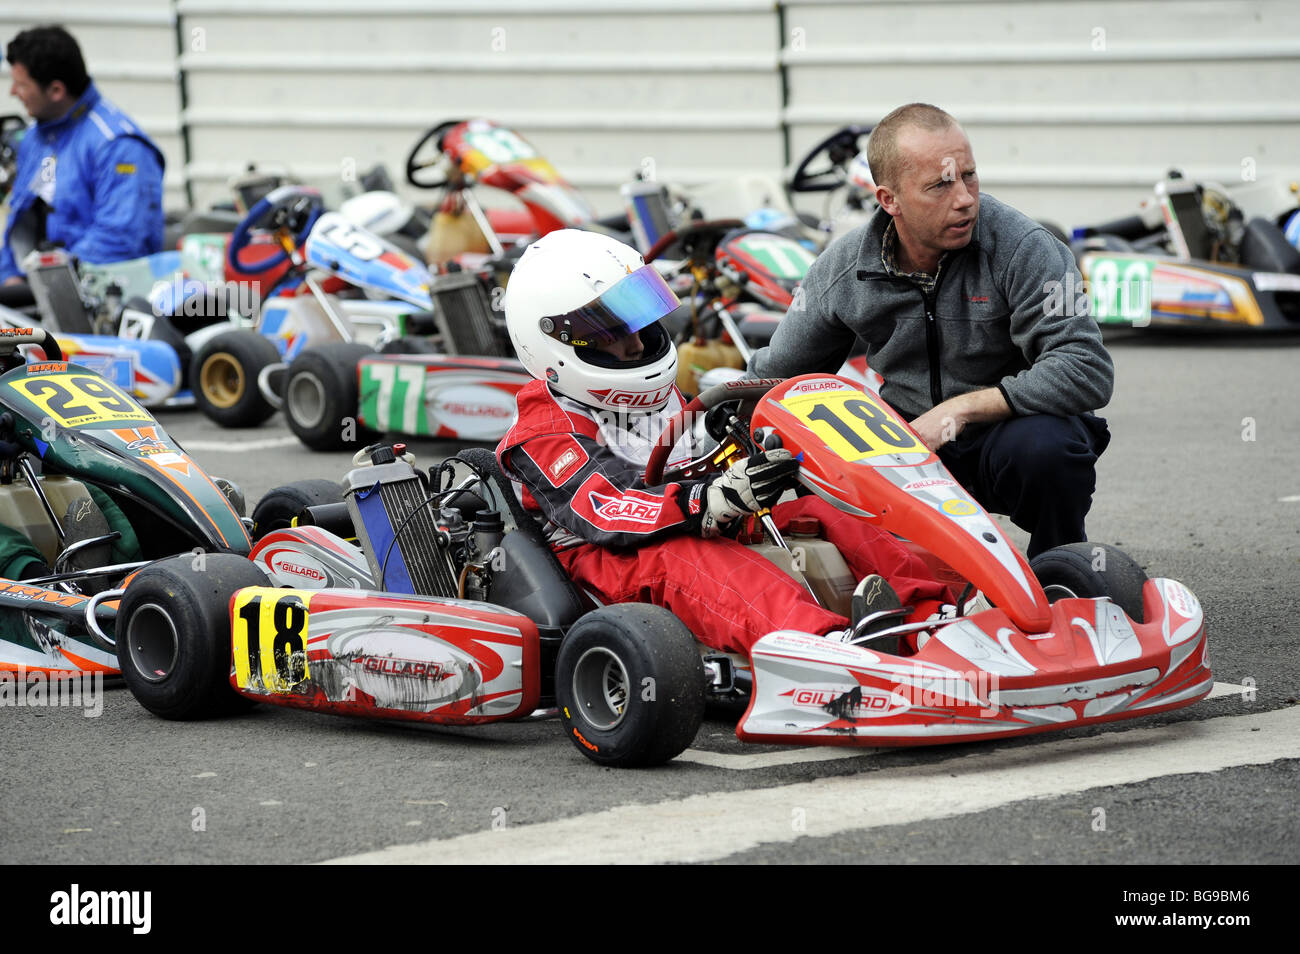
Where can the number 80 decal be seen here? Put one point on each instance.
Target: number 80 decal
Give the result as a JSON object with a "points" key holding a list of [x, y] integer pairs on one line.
{"points": [[270, 638]]}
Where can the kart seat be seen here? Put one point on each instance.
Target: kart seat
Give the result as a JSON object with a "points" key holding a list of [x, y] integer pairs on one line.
{"points": [[535, 585]]}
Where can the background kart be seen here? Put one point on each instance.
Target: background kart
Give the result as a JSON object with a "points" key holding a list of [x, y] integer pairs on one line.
{"points": [[448, 613], [81, 432], [1197, 257]]}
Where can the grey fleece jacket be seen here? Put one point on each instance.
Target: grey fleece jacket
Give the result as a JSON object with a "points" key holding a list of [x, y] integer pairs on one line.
{"points": [[1007, 312]]}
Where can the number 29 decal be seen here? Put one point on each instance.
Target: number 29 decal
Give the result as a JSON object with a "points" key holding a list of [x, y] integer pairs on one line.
{"points": [[75, 400]]}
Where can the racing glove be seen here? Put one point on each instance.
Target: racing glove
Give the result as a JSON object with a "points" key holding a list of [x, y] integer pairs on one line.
{"points": [[748, 486]]}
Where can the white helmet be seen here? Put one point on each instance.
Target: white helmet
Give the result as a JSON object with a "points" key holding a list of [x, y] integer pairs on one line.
{"points": [[573, 291]]}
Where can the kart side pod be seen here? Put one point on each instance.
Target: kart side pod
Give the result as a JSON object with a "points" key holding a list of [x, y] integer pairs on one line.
{"points": [[356, 652]]}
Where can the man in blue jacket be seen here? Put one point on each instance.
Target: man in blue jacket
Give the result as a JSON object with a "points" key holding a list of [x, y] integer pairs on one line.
{"points": [[87, 177]]}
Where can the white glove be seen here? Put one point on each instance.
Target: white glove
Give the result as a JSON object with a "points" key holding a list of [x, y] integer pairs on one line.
{"points": [[749, 486]]}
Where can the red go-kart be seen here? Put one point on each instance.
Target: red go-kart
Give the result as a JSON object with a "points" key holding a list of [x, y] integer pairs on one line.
{"points": [[450, 609]]}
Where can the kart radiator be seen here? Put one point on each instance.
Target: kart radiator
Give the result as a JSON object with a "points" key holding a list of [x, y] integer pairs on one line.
{"points": [[465, 317], [397, 527], [57, 292]]}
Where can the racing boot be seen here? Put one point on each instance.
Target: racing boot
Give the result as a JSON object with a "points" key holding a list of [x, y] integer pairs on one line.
{"points": [[83, 522], [875, 607]]}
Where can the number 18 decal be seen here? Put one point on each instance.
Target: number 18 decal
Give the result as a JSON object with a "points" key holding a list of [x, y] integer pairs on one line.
{"points": [[853, 425], [270, 638]]}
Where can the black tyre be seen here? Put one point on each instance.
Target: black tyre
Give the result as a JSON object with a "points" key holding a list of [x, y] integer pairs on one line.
{"points": [[281, 505], [320, 396], [408, 346], [173, 635], [224, 378], [1091, 570], [630, 685]]}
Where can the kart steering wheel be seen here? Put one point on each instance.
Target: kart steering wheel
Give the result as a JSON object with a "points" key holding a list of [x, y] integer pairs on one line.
{"points": [[438, 177], [698, 239], [295, 208], [840, 147], [744, 389]]}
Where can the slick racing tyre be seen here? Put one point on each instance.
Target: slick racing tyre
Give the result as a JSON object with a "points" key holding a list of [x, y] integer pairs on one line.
{"points": [[1091, 570], [630, 685], [320, 397], [277, 510], [224, 378], [173, 635]]}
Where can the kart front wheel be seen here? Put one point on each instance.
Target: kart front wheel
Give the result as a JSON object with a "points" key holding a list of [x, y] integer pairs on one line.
{"points": [[630, 685], [277, 510], [173, 634], [320, 397], [1092, 570], [224, 378]]}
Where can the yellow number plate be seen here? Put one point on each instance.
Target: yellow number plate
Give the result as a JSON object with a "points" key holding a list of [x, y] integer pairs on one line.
{"points": [[270, 638], [853, 425], [75, 400]]}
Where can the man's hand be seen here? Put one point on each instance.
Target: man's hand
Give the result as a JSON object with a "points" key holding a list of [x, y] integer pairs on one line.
{"points": [[945, 421], [748, 486], [15, 280]]}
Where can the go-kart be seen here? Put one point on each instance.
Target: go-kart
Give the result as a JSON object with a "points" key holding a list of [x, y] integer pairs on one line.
{"points": [[91, 442], [315, 336], [431, 358], [109, 318], [837, 166], [456, 155], [451, 609], [736, 284], [1196, 256]]}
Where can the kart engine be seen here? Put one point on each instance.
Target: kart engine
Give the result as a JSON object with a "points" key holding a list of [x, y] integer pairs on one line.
{"points": [[412, 544]]}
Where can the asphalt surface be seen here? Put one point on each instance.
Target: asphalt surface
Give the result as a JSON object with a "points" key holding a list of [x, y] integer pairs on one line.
{"points": [[1200, 483]]}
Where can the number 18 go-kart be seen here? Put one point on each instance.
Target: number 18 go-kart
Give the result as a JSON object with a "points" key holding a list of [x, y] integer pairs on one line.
{"points": [[453, 610]]}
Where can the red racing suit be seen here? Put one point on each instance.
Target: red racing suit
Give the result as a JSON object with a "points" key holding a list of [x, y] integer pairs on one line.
{"points": [[582, 471]]}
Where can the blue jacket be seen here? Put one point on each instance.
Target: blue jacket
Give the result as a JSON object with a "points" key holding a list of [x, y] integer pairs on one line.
{"points": [[101, 175]]}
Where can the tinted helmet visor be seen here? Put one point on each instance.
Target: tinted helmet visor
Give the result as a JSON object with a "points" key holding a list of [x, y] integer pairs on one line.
{"points": [[631, 304]]}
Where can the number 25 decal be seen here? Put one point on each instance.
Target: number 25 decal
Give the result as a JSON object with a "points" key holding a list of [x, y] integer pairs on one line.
{"points": [[853, 426], [270, 638]]}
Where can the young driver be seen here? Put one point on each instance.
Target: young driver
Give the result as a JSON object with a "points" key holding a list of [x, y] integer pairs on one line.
{"points": [[583, 313]]}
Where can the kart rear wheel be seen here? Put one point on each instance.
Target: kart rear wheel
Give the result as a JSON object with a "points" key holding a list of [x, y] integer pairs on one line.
{"points": [[277, 510], [321, 398], [224, 378], [173, 635], [630, 685], [1090, 570]]}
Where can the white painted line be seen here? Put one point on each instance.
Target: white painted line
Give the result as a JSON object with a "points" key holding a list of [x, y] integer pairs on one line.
{"points": [[1294, 498], [239, 447], [1228, 689], [731, 760], [721, 824]]}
